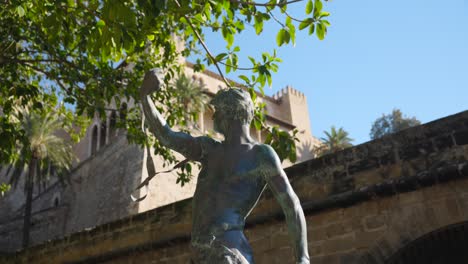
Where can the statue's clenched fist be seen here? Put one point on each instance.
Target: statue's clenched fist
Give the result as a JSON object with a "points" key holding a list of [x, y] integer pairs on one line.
{"points": [[151, 82]]}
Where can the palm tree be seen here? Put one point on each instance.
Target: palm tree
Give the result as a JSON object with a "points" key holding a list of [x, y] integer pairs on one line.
{"points": [[191, 95], [335, 140], [42, 153]]}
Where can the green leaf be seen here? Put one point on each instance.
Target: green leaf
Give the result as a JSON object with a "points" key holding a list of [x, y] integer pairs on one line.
{"points": [[324, 14], [321, 31], [228, 65], [311, 29], [258, 25], [280, 37], [20, 11], [220, 56], [305, 23], [100, 23], [244, 78], [71, 3], [257, 124], [292, 32], [325, 22], [318, 6], [287, 36], [309, 7]]}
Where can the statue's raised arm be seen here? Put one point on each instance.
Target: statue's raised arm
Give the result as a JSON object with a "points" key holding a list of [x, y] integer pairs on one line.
{"points": [[181, 142]]}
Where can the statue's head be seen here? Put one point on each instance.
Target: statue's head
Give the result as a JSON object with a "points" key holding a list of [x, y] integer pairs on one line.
{"points": [[232, 104]]}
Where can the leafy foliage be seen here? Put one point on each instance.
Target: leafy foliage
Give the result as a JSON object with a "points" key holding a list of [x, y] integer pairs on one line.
{"points": [[4, 188], [391, 123], [90, 53], [334, 141]]}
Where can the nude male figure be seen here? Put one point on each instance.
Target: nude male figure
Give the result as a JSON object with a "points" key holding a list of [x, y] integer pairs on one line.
{"points": [[233, 176]]}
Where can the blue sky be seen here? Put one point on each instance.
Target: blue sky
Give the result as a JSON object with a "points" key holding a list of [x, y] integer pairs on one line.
{"points": [[378, 55]]}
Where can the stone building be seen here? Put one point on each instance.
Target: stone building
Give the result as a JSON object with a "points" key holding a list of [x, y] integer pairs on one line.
{"points": [[399, 199], [110, 169]]}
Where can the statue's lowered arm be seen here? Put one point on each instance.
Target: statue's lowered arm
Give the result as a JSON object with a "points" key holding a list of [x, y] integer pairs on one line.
{"points": [[181, 142], [281, 188]]}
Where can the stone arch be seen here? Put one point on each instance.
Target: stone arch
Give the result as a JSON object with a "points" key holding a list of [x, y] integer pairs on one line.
{"points": [[123, 112], [103, 136], [94, 140], [446, 245], [56, 200], [412, 224], [112, 125]]}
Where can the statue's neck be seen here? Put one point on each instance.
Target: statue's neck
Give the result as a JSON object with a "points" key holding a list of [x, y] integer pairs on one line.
{"points": [[237, 134]]}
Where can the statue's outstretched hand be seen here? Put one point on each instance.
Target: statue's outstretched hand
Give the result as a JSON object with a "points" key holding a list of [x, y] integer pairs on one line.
{"points": [[151, 83]]}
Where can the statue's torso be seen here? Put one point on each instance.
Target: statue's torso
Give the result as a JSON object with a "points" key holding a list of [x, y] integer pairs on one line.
{"points": [[229, 185]]}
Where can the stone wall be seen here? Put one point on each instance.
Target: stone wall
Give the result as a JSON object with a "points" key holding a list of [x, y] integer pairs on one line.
{"points": [[361, 205], [98, 192]]}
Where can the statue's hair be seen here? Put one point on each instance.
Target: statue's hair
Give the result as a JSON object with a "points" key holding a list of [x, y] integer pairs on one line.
{"points": [[236, 103]]}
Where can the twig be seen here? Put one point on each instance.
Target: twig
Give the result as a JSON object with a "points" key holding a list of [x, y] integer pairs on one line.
{"points": [[293, 18], [204, 46], [276, 19], [265, 4], [48, 76], [235, 67]]}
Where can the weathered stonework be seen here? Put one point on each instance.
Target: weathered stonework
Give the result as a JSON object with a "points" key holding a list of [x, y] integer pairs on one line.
{"points": [[362, 205]]}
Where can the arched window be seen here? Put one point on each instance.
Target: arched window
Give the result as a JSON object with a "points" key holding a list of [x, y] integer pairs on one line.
{"points": [[56, 200], [103, 134], [112, 125], [94, 140], [123, 112]]}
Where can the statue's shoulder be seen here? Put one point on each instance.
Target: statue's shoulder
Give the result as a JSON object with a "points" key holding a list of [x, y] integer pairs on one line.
{"points": [[267, 155], [265, 150], [207, 145]]}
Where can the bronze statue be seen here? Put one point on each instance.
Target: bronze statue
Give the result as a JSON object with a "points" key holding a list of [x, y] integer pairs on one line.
{"points": [[233, 176]]}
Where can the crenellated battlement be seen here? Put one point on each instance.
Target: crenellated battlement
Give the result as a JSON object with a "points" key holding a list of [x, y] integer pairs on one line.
{"points": [[288, 90]]}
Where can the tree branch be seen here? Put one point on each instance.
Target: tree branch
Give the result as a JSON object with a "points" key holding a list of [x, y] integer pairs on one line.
{"points": [[265, 4], [276, 19], [293, 18], [205, 47], [62, 86]]}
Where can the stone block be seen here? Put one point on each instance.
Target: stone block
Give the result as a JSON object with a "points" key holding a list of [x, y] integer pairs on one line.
{"points": [[315, 250], [329, 259], [361, 209], [410, 198], [325, 218], [366, 239], [317, 234], [261, 245], [443, 142], [339, 244], [281, 240], [353, 224], [375, 222], [334, 230], [363, 165], [276, 256], [349, 258]]}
